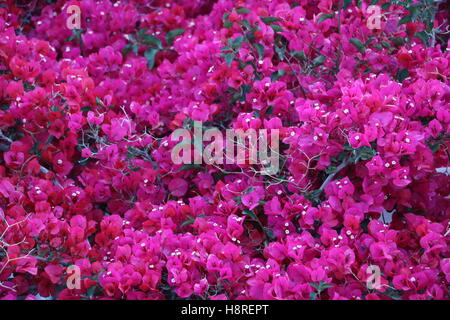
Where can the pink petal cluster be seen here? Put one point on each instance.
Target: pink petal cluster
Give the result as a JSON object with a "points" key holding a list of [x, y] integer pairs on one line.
{"points": [[87, 180]]}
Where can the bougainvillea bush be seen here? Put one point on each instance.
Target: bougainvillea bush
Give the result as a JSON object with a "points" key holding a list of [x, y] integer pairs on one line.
{"points": [[358, 90]]}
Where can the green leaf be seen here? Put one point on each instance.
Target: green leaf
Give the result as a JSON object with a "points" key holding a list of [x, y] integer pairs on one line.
{"points": [[229, 57], [99, 101], [127, 49], [434, 147], [314, 285], [269, 110], [269, 233], [402, 74], [324, 285], [129, 37], [405, 19], [415, 11], [150, 40], [188, 222], [300, 54], [386, 45], [385, 6], [364, 225], [245, 23], [226, 23], [321, 286], [187, 167], [91, 292], [238, 200], [237, 42], [330, 169], [347, 147], [135, 49], [358, 44], [243, 10], [314, 196], [241, 94], [276, 28], [141, 32], [76, 35], [312, 295], [28, 86], [369, 41], [318, 61], [150, 55], [363, 153], [260, 50], [346, 4], [280, 52], [35, 149], [250, 214], [398, 40], [422, 35], [269, 20], [249, 190], [277, 75], [246, 88], [324, 17], [170, 36], [393, 293]]}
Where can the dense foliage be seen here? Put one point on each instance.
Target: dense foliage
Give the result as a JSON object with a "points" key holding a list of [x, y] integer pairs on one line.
{"points": [[86, 176]]}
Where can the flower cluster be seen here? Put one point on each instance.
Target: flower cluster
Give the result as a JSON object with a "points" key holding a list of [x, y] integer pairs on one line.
{"points": [[87, 180]]}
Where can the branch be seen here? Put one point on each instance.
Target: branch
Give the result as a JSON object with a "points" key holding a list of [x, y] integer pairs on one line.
{"points": [[331, 176], [2, 136]]}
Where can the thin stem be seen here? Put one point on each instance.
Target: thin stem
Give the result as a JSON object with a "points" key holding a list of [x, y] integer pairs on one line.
{"points": [[331, 176]]}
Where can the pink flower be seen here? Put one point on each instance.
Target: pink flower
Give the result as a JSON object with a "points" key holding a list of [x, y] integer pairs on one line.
{"points": [[251, 199], [86, 171], [178, 187], [61, 165], [54, 272], [358, 140]]}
